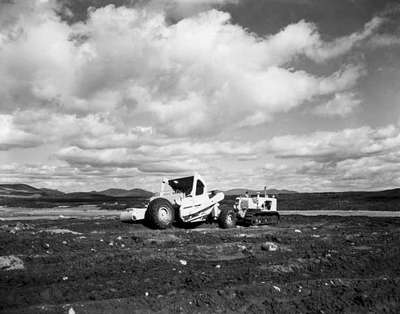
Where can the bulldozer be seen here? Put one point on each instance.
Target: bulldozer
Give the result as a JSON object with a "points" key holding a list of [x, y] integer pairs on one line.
{"points": [[251, 210], [257, 209], [185, 199]]}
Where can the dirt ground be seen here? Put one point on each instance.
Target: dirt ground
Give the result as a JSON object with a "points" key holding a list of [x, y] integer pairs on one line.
{"points": [[322, 265]]}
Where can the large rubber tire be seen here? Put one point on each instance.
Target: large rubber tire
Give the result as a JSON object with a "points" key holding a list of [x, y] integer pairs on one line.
{"points": [[159, 214], [227, 219]]}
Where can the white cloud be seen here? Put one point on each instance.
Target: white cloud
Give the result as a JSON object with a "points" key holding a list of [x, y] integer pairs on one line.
{"points": [[127, 89], [93, 131], [178, 9], [319, 161], [171, 167], [182, 155], [336, 146], [303, 38], [132, 65], [12, 137], [117, 157], [384, 40], [71, 179], [363, 158], [321, 51], [205, 1], [342, 104]]}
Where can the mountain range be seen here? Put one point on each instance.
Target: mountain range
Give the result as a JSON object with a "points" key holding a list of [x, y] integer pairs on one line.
{"points": [[21, 191], [30, 192], [27, 191], [126, 193]]}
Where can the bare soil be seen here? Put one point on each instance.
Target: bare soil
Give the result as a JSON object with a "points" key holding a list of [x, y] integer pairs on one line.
{"points": [[335, 264]]}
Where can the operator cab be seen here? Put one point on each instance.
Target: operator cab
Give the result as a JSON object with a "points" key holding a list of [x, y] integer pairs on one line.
{"points": [[242, 203], [267, 205], [189, 186], [182, 185]]}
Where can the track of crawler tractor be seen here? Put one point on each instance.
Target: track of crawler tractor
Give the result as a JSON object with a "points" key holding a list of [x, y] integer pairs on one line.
{"points": [[255, 218]]}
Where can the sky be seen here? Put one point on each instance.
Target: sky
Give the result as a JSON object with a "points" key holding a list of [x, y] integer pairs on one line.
{"points": [[292, 94]]}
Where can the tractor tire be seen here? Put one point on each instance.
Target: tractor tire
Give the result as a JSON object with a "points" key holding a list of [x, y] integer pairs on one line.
{"points": [[159, 214], [227, 219]]}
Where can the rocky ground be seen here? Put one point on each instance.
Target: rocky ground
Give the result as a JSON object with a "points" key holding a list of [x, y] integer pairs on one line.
{"points": [[303, 265]]}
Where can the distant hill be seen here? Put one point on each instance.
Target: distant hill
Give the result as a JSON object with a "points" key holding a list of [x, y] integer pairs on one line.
{"points": [[52, 192], [84, 196], [28, 191], [126, 193], [251, 192], [25, 191], [389, 193]]}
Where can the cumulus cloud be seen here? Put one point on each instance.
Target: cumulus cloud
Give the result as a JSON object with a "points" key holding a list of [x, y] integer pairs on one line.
{"points": [[184, 8], [118, 157], [321, 51], [129, 88], [181, 156], [384, 40], [304, 38], [125, 158], [335, 146], [362, 158], [131, 64], [342, 104], [12, 137], [93, 131], [71, 178]]}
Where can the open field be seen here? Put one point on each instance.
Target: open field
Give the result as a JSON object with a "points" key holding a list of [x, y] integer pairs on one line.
{"points": [[322, 265], [388, 200], [95, 212], [83, 211]]}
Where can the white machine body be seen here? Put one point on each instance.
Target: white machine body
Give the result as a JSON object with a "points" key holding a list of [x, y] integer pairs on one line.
{"points": [[188, 195]]}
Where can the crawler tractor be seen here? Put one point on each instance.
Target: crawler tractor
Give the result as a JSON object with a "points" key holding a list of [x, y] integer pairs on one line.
{"points": [[251, 211], [184, 200]]}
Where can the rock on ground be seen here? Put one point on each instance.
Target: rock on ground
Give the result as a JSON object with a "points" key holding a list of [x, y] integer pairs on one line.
{"points": [[11, 262]]}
